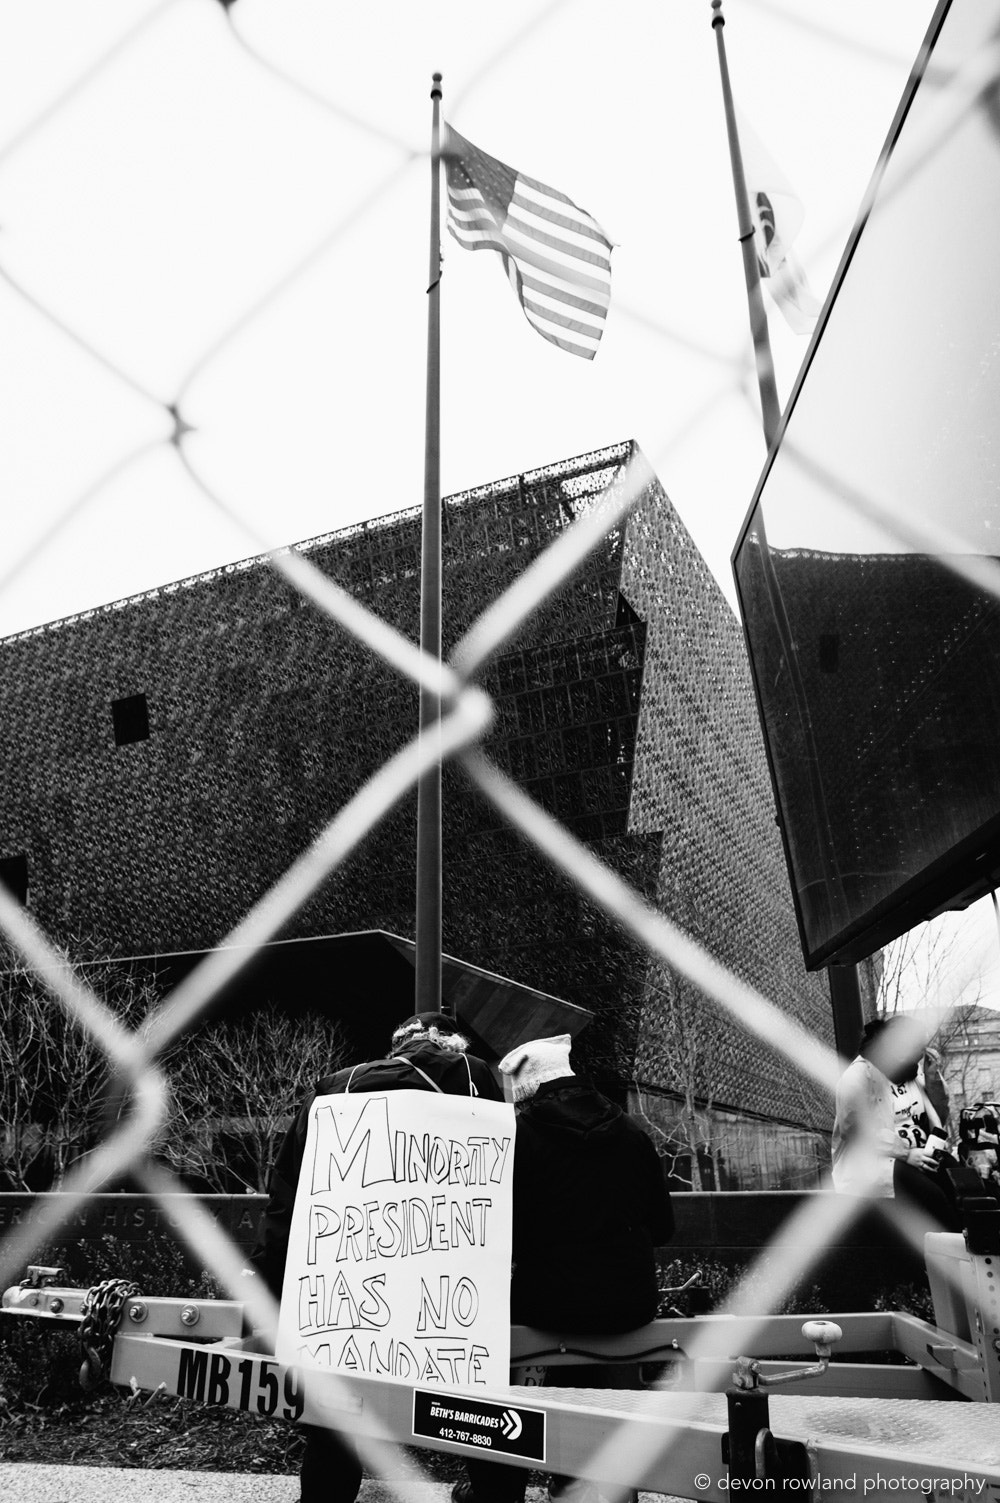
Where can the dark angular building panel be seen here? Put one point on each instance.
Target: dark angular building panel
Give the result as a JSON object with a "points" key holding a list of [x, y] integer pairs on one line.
{"points": [[623, 707], [879, 684]]}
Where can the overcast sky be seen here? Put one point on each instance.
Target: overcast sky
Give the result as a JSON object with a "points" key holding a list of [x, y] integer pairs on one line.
{"points": [[229, 209]]}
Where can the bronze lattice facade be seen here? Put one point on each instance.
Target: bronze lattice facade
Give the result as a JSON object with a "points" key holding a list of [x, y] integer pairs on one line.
{"points": [[166, 758]]}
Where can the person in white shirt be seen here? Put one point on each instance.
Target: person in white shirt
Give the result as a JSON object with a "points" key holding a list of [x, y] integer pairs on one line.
{"points": [[888, 1139]]}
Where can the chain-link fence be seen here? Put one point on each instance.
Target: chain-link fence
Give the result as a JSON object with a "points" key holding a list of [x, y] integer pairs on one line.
{"points": [[467, 711]]}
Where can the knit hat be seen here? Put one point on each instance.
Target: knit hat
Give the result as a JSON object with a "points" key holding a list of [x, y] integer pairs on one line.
{"points": [[537, 1060]]}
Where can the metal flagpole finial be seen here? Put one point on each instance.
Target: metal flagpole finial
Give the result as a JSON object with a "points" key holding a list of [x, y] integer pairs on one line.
{"points": [[436, 89], [718, 19]]}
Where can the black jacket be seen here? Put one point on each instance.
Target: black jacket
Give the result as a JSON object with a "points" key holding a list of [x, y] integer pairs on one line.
{"points": [[396, 1073], [590, 1205]]}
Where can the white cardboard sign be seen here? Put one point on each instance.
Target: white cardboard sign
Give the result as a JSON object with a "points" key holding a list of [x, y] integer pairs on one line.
{"points": [[398, 1260]]}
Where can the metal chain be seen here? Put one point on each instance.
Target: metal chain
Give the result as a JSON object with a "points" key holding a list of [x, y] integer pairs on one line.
{"points": [[102, 1312]]}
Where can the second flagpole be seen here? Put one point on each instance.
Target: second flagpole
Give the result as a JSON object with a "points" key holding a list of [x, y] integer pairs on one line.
{"points": [[429, 863], [844, 981], [770, 406]]}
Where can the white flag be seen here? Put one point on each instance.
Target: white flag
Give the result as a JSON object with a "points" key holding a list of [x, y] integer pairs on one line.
{"points": [[777, 214]]}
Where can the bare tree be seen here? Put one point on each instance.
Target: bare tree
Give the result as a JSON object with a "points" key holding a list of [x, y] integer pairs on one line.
{"points": [[694, 1029], [938, 965], [697, 1035], [233, 1087], [968, 1051], [232, 1084], [24, 1053], [53, 1080], [938, 969]]}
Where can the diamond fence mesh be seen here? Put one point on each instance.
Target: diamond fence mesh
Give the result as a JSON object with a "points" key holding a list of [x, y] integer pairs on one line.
{"points": [[466, 720]]}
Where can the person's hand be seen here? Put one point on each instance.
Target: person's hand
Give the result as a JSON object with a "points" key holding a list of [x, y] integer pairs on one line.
{"points": [[921, 1158]]}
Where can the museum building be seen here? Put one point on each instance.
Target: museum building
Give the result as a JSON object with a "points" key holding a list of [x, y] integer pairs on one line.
{"points": [[166, 758]]}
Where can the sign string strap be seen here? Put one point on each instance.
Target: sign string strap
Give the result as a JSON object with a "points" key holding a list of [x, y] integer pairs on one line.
{"points": [[432, 1083]]}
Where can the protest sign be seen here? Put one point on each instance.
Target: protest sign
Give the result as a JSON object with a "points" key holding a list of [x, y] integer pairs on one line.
{"points": [[399, 1250]]}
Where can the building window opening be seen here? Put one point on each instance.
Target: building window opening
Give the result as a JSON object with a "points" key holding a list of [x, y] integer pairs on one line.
{"points": [[14, 876], [130, 718]]}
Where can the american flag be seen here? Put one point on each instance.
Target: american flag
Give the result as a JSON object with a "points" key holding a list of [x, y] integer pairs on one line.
{"points": [[558, 258]]}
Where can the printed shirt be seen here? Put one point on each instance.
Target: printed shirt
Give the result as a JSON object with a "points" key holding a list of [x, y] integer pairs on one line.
{"points": [[910, 1114]]}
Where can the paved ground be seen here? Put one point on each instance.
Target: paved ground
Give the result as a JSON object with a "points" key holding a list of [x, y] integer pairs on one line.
{"points": [[27, 1482]]}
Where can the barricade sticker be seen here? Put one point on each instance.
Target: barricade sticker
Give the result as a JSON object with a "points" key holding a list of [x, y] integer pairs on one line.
{"points": [[500, 1429]]}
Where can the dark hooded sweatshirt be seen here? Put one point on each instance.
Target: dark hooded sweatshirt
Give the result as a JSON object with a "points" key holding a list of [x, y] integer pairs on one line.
{"points": [[421, 1065], [590, 1206]]}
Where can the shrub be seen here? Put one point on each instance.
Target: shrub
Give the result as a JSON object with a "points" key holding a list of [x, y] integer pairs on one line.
{"points": [[40, 1361], [720, 1279], [911, 1299]]}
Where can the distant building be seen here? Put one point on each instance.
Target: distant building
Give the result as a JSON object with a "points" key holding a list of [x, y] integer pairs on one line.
{"points": [[164, 759], [970, 1047]]}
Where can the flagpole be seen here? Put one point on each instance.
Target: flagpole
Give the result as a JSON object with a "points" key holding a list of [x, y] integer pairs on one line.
{"points": [[844, 980], [428, 887], [770, 407]]}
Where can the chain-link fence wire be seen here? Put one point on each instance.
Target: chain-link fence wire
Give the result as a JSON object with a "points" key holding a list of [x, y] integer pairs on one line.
{"points": [[466, 718]]}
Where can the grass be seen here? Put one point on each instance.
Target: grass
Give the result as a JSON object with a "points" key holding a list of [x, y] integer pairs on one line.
{"points": [[117, 1431]]}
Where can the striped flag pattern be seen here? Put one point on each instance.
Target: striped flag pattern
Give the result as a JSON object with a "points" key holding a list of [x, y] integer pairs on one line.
{"points": [[557, 258]]}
